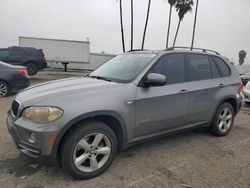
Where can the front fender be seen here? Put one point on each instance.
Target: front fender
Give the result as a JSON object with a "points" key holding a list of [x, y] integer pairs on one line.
{"points": [[71, 123]]}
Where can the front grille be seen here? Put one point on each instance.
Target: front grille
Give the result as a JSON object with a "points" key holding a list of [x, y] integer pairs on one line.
{"points": [[28, 150], [14, 107]]}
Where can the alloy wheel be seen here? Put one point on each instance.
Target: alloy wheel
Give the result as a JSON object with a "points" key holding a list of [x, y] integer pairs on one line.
{"points": [[225, 119], [32, 69], [3, 90], [92, 152]]}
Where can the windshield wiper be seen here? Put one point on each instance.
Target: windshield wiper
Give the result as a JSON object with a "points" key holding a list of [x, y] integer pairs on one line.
{"points": [[100, 78]]}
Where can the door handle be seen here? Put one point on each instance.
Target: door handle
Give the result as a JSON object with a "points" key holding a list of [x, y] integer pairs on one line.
{"points": [[183, 91], [221, 85]]}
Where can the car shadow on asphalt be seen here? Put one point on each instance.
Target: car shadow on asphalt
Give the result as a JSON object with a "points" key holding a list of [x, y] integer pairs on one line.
{"points": [[24, 166]]}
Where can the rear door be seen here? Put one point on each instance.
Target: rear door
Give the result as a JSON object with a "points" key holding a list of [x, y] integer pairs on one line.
{"points": [[204, 78], [164, 107]]}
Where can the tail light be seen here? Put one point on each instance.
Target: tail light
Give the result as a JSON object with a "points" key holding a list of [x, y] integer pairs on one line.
{"points": [[241, 86], [44, 58], [22, 72]]}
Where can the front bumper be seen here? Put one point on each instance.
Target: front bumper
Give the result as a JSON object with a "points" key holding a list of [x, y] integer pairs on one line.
{"points": [[40, 149]]}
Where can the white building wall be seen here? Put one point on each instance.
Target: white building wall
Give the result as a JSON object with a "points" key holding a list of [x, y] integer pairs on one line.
{"points": [[96, 59], [58, 50]]}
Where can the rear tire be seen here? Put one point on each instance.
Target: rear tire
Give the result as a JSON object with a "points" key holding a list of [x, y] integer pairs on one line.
{"points": [[32, 69], [4, 89], [223, 120], [88, 150]]}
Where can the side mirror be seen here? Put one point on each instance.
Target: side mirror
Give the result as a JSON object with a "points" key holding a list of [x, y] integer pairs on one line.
{"points": [[154, 79]]}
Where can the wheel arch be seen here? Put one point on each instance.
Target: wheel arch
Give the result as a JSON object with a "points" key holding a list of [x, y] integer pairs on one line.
{"points": [[112, 119], [7, 82], [231, 100]]}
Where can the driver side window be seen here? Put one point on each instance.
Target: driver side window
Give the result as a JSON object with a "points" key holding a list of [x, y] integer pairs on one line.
{"points": [[172, 66]]}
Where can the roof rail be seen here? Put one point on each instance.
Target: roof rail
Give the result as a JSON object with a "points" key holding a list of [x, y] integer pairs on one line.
{"points": [[20, 47], [135, 50], [189, 48]]}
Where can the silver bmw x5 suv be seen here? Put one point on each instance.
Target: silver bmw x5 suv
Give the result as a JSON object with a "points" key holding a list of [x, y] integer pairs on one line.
{"points": [[137, 96]]}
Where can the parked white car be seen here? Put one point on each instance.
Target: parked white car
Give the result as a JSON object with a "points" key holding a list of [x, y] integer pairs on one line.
{"points": [[246, 93]]}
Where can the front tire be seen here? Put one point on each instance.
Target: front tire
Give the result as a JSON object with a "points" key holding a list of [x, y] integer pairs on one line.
{"points": [[4, 89], [88, 150], [223, 120]]}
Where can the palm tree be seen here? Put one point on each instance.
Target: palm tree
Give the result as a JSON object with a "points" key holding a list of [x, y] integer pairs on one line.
{"points": [[182, 7], [195, 20], [132, 24], [242, 56], [122, 30], [146, 24], [171, 3]]}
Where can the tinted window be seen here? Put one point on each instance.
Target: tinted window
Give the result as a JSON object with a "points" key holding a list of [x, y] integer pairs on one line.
{"points": [[172, 66], [215, 71], [35, 53], [223, 68], [17, 53], [4, 53], [199, 67]]}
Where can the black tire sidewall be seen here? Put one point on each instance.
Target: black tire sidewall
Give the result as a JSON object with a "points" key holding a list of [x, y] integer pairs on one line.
{"points": [[8, 88], [36, 69], [74, 137], [214, 129]]}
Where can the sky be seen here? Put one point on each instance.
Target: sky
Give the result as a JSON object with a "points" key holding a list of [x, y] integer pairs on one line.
{"points": [[222, 25]]}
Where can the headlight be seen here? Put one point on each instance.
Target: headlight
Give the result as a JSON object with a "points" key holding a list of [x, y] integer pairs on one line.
{"points": [[42, 114]]}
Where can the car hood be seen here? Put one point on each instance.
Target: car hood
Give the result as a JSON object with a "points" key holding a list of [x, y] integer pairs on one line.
{"points": [[54, 89]]}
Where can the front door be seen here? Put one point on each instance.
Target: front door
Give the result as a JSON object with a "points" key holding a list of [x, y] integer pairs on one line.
{"points": [[164, 107]]}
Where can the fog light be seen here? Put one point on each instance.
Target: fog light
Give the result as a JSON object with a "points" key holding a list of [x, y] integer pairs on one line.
{"points": [[32, 138]]}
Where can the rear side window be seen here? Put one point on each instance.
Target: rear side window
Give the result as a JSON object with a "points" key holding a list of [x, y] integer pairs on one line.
{"points": [[222, 66], [36, 53], [199, 67], [215, 71], [4, 53], [172, 66], [17, 53]]}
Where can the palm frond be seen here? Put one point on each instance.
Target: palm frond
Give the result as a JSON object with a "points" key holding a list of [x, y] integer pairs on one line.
{"points": [[183, 7], [172, 2]]}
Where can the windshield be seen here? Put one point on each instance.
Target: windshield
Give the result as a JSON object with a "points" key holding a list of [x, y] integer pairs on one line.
{"points": [[123, 68]]}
